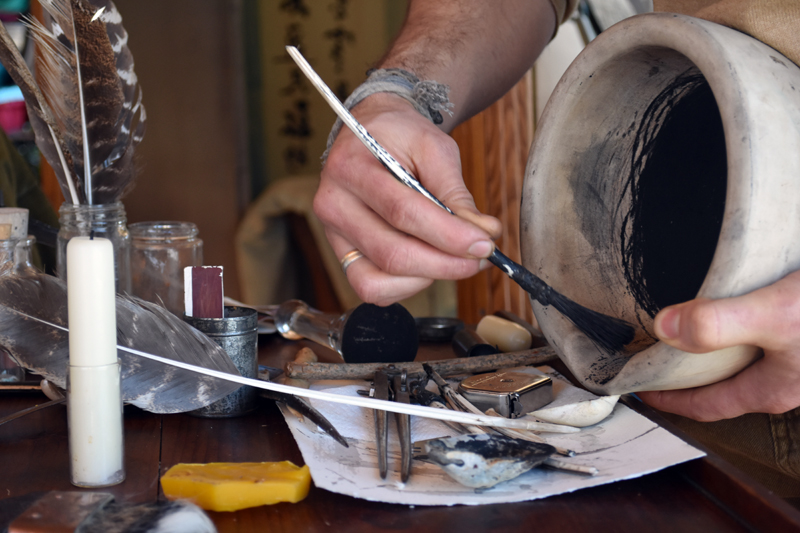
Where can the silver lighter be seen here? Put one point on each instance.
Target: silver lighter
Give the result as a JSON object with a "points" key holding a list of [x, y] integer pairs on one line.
{"points": [[511, 394]]}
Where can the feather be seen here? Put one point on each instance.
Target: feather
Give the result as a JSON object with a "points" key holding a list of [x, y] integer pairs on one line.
{"points": [[47, 133], [27, 300], [87, 79]]}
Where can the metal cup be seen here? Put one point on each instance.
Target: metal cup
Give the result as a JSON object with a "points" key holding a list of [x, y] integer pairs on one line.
{"points": [[237, 334]]}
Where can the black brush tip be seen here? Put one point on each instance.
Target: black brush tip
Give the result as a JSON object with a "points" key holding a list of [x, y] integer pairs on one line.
{"points": [[608, 332]]}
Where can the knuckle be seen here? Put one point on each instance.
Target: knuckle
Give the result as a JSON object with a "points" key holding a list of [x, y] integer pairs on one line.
{"points": [[703, 327], [396, 261], [374, 292], [323, 206], [786, 305], [401, 214], [337, 163], [441, 145], [366, 289]]}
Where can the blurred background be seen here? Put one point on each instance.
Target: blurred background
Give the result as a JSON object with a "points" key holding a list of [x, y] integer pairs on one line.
{"points": [[235, 133]]}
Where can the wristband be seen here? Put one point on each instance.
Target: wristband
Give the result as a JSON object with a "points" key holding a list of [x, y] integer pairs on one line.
{"points": [[428, 97]]}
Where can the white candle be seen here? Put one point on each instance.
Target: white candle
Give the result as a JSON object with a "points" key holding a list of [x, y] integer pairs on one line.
{"points": [[94, 401]]}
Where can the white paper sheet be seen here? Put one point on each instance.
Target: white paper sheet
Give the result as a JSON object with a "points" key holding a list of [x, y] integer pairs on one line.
{"points": [[625, 445]]}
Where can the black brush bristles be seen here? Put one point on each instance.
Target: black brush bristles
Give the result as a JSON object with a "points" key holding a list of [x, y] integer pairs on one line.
{"points": [[609, 333]]}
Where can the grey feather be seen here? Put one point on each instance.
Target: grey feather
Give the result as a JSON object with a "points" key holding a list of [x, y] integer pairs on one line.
{"points": [[147, 327]]}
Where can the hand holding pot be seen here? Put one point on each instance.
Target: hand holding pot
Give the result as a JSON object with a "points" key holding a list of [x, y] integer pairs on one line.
{"points": [[407, 241], [767, 318]]}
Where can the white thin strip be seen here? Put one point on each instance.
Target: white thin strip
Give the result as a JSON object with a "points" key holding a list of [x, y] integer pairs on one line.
{"points": [[72, 192], [87, 164], [377, 150], [417, 410]]}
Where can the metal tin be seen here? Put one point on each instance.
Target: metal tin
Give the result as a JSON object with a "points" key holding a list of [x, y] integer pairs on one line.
{"points": [[237, 334], [437, 329], [511, 394]]}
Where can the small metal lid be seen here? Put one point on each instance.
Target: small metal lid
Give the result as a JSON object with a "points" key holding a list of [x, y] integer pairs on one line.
{"points": [[237, 321]]}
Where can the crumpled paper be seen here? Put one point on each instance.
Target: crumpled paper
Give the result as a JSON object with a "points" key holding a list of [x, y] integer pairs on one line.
{"points": [[623, 446]]}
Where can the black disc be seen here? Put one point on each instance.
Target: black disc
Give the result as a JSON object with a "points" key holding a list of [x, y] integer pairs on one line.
{"points": [[374, 334]]}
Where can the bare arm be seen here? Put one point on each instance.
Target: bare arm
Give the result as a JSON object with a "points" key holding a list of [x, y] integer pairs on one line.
{"points": [[478, 48]]}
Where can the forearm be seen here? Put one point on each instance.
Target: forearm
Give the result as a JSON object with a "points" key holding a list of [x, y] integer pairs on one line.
{"points": [[479, 48]]}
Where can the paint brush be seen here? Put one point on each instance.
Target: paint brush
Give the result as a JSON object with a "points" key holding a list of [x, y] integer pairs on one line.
{"points": [[607, 332]]}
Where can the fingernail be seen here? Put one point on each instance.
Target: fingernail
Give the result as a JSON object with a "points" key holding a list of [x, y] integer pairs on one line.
{"points": [[484, 264], [670, 324], [481, 249]]}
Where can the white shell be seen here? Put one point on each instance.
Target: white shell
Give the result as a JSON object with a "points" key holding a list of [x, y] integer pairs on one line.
{"points": [[586, 147], [578, 414]]}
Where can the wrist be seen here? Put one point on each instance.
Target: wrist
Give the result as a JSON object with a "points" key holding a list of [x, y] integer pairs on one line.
{"points": [[428, 97]]}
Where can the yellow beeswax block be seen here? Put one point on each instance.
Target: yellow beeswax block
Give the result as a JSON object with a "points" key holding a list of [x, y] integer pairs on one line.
{"points": [[234, 486]]}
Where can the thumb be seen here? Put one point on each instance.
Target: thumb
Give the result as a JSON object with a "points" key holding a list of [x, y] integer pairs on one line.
{"points": [[767, 317]]}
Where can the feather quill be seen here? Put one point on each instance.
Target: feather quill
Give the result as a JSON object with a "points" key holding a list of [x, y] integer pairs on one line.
{"points": [[87, 81], [47, 133], [26, 300]]}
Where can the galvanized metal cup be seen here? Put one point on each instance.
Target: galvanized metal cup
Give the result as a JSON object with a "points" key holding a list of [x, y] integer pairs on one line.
{"points": [[237, 334]]}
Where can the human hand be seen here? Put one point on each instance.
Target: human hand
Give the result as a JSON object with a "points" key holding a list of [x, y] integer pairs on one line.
{"points": [[768, 318], [407, 240]]}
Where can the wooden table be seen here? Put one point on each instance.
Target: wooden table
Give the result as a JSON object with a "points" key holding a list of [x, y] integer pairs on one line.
{"points": [[703, 495]]}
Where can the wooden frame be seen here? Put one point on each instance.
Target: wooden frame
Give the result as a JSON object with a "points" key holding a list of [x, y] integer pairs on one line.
{"points": [[494, 149]]}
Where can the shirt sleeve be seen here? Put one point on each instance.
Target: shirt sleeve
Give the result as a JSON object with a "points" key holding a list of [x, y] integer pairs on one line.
{"points": [[774, 22]]}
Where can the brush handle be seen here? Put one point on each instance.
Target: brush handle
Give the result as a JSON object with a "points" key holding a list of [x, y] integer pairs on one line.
{"points": [[538, 289]]}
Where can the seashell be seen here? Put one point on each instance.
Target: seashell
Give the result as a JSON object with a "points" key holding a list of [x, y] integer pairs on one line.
{"points": [[483, 461], [578, 414]]}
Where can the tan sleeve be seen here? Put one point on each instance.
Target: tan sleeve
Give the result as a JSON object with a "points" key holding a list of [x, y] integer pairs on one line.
{"points": [[774, 22], [564, 9]]}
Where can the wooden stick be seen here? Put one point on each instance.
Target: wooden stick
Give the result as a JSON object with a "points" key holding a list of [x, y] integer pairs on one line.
{"points": [[445, 367], [570, 467]]}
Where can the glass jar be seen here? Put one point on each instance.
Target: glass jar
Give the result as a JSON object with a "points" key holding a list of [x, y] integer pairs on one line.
{"points": [[101, 220], [159, 253], [8, 254], [15, 258]]}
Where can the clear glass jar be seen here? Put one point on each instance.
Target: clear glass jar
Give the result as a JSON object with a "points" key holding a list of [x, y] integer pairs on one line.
{"points": [[106, 221], [8, 255], [159, 253], [15, 258]]}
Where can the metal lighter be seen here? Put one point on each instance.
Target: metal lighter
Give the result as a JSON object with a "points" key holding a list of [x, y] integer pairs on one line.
{"points": [[511, 394]]}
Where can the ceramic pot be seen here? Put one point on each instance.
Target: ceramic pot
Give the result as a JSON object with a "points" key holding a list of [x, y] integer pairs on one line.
{"points": [[666, 166]]}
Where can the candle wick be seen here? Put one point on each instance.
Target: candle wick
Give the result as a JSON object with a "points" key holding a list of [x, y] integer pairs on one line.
{"points": [[91, 235]]}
